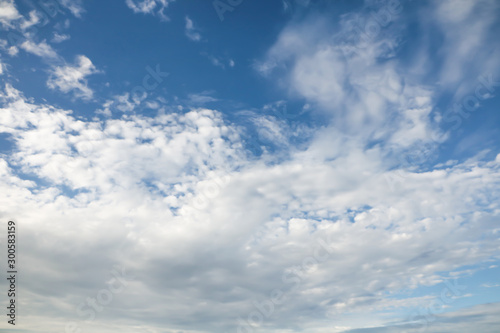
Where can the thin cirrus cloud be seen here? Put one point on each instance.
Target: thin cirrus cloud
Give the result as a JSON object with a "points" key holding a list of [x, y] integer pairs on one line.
{"points": [[74, 6], [59, 38]]}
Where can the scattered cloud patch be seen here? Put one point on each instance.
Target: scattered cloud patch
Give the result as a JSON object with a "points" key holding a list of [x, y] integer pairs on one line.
{"points": [[149, 7], [72, 78], [201, 98], [219, 61], [41, 49], [191, 32], [59, 38], [34, 18], [8, 13]]}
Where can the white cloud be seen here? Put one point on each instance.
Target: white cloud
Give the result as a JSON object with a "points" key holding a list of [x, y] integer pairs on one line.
{"points": [[59, 38], [8, 12], [363, 95], [12, 51], [191, 32], [122, 103], [33, 20], [41, 49], [149, 7], [215, 231], [468, 30], [72, 78], [201, 98], [74, 6], [209, 232]]}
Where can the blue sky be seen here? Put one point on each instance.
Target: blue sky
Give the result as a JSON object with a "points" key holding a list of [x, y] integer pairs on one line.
{"points": [[252, 166]]}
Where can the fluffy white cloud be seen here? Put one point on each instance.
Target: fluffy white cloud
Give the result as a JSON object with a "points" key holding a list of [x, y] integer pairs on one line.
{"points": [[206, 232], [8, 12], [72, 78], [482, 318], [41, 49]]}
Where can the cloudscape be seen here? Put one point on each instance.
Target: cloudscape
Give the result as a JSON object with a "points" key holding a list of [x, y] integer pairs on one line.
{"points": [[250, 166]]}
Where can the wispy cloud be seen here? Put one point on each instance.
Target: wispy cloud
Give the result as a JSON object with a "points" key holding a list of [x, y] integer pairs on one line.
{"points": [[74, 6], [72, 78], [149, 7], [200, 99], [59, 38], [191, 32], [219, 61], [488, 285], [41, 49], [34, 18]]}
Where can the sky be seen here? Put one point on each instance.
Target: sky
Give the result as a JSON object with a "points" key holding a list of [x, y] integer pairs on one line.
{"points": [[251, 165]]}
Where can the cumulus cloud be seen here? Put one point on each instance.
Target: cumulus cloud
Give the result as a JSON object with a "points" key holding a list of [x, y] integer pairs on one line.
{"points": [[207, 233], [8, 12], [72, 78]]}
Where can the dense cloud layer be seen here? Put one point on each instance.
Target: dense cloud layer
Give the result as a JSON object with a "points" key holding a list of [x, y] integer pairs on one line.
{"points": [[205, 237]]}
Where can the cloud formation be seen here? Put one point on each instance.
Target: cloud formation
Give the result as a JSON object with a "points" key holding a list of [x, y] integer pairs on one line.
{"points": [[191, 32], [332, 235], [41, 49], [149, 7], [72, 78], [8, 12]]}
